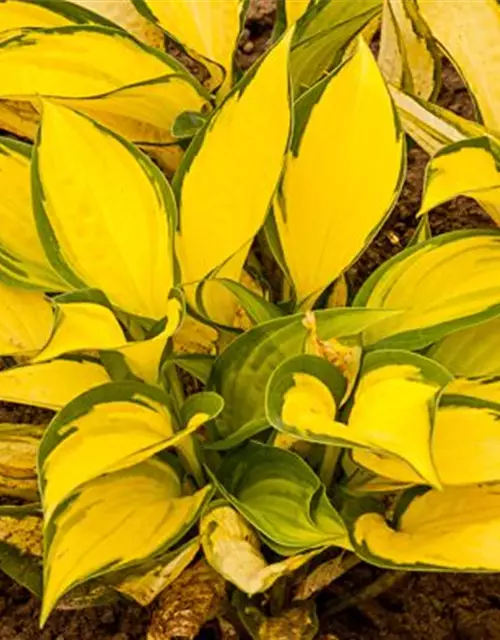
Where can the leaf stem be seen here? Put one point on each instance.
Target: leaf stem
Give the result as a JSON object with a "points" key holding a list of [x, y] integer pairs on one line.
{"points": [[329, 464]]}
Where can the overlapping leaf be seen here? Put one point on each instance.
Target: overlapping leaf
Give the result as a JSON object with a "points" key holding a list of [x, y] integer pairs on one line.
{"points": [[50, 385], [392, 413], [445, 284], [22, 259], [207, 29], [242, 372], [110, 428], [409, 57], [330, 174], [120, 519], [117, 234], [134, 90], [469, 33], [451, 530], [324, 35], [224, 185], [278, 493]]}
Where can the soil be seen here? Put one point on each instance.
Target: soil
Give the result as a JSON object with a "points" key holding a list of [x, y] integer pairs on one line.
{"points": [[420, 606]]}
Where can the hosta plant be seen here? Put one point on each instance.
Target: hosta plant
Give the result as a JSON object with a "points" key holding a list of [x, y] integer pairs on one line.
{"points": [[173, 259]]}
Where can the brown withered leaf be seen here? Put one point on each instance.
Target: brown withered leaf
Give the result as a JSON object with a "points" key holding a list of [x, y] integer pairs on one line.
{"points": [[344, 354], [323, 575], [195, 598], [227, 631], [21, 549], [298, 623]]}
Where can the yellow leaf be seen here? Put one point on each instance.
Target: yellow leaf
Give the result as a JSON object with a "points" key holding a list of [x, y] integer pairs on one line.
{"points": [[82, 326], [117, 235], [393, 411], [18, 15], [76, 62], [26, 319], [144, 113], [455, 529], [144, 357], [122, 518], [469, 33], [392, 415], [294, 10], [210, 29], [124, 14], [50, 384], [469, 168], [408, 55], [233, 550], [473, 352], [330, 176], [86, 326], [449, 279], [465, 445], [108, 429], [136, 91], [23, 260], [226, 184]]}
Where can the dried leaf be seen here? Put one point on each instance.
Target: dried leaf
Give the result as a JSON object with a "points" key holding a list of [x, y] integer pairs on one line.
{"points": [[196, 597], [195, 337], [324, 574], [21, 550], [233, 549], [24, 488], [157, 576], [298, 623], [227, 631], [346, 356]]}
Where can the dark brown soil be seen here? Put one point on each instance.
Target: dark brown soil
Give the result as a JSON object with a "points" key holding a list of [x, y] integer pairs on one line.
{"points": [[427, 606], [420, 606]]}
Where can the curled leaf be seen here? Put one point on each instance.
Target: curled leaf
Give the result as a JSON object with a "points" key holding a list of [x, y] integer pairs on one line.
{"points": [[233, 550]]}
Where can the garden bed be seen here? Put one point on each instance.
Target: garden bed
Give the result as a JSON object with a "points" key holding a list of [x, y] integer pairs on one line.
{"points": [[419, 606]]}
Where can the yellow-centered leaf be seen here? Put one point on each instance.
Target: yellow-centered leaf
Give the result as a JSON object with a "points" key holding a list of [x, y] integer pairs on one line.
{"points": [[456, 529], [471, 168], [23, 260], [119, 519], [225, 184], [333, 199], [469, 33], [408, 55], [209, 29], [50, 384], [26, 319], [117, 235]]}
